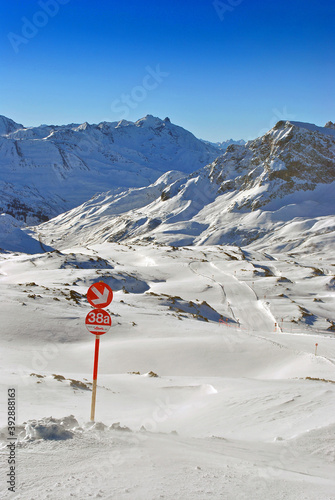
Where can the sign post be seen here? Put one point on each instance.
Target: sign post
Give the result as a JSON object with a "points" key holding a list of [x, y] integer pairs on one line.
{"points": [[95, 376], [98, 322]]}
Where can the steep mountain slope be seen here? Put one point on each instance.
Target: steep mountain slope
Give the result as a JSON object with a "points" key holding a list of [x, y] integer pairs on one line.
{"points": [[7, 125], [292, 156], [49, 169], [277, 191]]}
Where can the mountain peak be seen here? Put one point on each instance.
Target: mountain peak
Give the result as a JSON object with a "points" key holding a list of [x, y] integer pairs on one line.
{"points": [[110, 155], [124, 123], [83, 126], [246, 196], [7, 125], [328, 129], [149, 121]]}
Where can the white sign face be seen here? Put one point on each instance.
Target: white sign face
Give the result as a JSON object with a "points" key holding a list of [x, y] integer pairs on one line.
{"points": [[98, 321]]}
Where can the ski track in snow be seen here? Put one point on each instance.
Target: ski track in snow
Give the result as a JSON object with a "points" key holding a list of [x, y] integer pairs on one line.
{"points": [[236, 293], [235, 412], [188, 407]]}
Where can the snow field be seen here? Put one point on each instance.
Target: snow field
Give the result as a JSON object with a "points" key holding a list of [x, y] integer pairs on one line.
{"points": [[238, 409]]}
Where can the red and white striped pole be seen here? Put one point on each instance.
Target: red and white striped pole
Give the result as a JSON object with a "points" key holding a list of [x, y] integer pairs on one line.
{"points": [[95, 376]]}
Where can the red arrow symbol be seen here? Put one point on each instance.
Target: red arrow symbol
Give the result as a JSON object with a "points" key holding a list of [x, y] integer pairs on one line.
{"points": [[102, 297]]}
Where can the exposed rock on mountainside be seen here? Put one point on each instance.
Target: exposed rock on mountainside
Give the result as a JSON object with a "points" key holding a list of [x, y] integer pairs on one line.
{"points": [[48, 169], [291, 157], [276, 190], [7, 125]]}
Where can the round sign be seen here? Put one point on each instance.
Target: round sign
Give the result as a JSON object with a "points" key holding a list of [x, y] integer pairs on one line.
{"points": [[100, 295], [98, 321]]}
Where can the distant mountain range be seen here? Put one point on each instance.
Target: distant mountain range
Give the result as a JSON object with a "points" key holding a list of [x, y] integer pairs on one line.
{"points": [[154, 181], [276, 192], [48, 169], [224, 144]]}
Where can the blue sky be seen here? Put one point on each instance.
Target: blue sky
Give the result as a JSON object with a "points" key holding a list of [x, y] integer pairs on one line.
{"points": [[220, 69]]}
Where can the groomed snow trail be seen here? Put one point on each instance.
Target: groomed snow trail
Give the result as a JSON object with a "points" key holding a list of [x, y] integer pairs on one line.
{"points": [[247, 310]]}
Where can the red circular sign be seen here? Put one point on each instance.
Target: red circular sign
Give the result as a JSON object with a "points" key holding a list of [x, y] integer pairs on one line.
{"points": [[100, 295], [98, 321]]}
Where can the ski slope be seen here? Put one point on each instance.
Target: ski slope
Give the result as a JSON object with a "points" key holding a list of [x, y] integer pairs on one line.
{"points": [[238, 409], [245, 307]]}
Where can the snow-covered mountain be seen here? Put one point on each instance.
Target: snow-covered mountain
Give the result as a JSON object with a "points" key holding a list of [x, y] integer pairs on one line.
{"points": [[216, 379], [7, 126], [48, 169], [224, 144], [276, 191]]}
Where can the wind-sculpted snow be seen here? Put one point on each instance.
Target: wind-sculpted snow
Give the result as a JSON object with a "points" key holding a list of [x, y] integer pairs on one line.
{"points": [[49, 429], [209, 383]]}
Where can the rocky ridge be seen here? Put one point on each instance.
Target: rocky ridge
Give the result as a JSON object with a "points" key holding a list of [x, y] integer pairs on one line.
{"points": [[279, 186]]}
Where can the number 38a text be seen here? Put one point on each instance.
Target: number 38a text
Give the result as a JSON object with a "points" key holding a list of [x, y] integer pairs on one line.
{"points": [[98, 318]]}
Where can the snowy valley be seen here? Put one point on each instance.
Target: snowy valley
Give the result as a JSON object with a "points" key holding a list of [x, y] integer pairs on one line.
{"points": [[217, 377]]}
